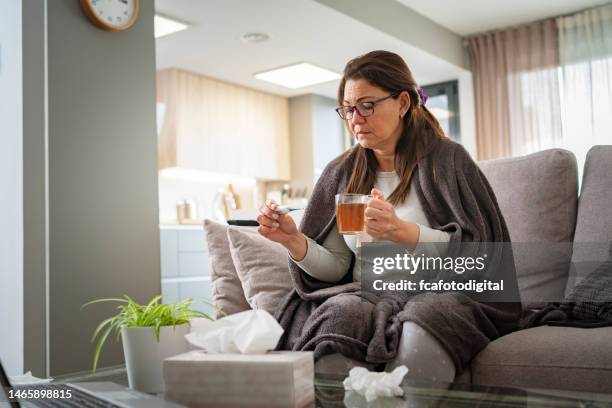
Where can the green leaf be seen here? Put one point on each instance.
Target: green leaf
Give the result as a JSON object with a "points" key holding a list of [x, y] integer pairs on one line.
{"points": [[99, 347], [103, 300], [100, 326]]}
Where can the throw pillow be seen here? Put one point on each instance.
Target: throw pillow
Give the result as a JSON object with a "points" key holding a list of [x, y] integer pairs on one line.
{"points": [[263, 268], [227, 289], [537, 195]]}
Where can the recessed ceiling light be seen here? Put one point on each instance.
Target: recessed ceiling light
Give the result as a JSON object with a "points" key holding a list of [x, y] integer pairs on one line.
{"points": [[298, 75], [166, 26], [254, 38]]}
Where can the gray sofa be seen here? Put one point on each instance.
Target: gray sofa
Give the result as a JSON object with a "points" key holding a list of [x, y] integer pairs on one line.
{"points": [[538, 195]]}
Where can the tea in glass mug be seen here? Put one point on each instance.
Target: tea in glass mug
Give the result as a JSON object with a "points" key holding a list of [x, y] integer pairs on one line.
{"points": [[350, 213]]}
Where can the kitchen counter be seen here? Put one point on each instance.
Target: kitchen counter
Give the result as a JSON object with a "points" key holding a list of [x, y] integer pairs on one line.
{"points": [[165, 226]]}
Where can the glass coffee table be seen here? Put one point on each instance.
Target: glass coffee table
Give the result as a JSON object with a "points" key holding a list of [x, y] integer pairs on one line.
{"points": [[329, 392]]}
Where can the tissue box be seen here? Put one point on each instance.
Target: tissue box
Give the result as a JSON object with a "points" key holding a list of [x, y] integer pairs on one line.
{"points": [[274, 379]]}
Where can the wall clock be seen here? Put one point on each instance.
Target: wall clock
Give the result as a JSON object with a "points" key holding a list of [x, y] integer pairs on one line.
{"points": [[111, 15]]}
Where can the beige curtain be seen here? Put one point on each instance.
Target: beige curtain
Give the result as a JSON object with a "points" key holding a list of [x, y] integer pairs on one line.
{"points": [[516, 86], [585, 47]]}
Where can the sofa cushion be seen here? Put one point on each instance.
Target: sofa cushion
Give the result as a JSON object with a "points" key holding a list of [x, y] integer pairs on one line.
{"points": [[227, 289], [537, 195], [548, 357], [263, 268], [594, 220]]}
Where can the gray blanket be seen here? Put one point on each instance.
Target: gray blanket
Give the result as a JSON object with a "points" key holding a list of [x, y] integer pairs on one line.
{"points": [[341, 318], [591, 300]]}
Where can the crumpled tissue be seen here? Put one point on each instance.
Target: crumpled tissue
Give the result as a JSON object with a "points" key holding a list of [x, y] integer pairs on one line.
{"points": [[248, 332], [28, 379], [372, 385]]}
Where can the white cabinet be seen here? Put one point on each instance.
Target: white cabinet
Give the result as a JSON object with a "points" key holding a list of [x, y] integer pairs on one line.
{"points": [[219, 127], [184, 265]]}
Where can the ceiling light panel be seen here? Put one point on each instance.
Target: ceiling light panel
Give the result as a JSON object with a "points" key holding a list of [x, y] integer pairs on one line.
{"points": [[166, 26], [298, 75]]}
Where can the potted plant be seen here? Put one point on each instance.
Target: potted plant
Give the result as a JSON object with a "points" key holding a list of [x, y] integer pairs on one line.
{"points": [[150, 333]]}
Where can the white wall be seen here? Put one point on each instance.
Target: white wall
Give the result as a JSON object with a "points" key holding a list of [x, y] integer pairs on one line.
{"points": [[327, 133], [467, 112], [300, 141], [317, 136], [11, 188]]}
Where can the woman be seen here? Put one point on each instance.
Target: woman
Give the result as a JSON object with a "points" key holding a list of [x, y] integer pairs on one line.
{"points": [[426, 188]]}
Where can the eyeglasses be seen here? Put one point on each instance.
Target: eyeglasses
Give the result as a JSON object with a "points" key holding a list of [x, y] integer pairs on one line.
{"points": [[364, 108]]}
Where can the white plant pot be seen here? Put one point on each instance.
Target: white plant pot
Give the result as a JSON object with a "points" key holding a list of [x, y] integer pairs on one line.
{"points": [[144, 355]]}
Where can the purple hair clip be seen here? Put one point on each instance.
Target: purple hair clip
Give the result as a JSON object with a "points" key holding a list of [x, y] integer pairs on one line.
{"points": [[422, 95]]}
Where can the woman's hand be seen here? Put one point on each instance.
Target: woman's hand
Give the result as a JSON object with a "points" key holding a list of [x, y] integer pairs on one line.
{"points": [[274, 226], [382, 222]]}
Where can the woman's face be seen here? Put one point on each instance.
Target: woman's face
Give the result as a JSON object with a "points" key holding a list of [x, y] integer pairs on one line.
{"points": [[380, 130]]}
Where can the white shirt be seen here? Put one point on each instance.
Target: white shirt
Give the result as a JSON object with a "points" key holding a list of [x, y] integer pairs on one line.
{"points": [[329, 262]]}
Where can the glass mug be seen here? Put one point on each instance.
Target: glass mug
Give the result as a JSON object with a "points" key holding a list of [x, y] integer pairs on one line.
{"points": [[350, 213]]}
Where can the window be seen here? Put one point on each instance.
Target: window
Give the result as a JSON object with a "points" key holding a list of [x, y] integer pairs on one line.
{"points": [[443, 103]]}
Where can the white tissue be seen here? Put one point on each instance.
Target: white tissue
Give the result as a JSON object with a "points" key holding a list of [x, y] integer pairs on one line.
{"points": [[372, 385], [27, 379], [248, 332]]}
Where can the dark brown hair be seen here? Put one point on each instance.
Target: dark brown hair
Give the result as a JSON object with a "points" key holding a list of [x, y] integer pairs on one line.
{"points": [[421, 134]]}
